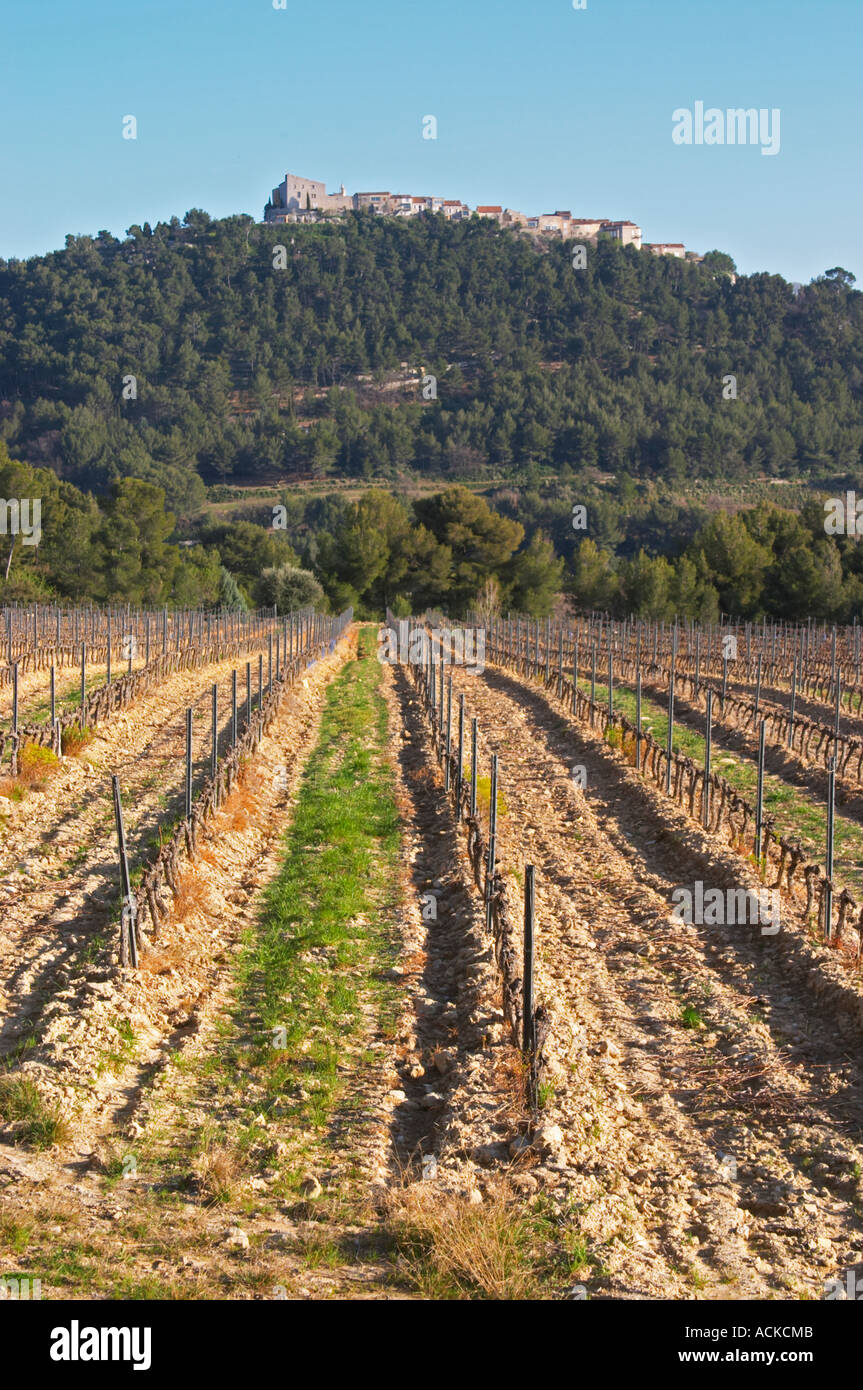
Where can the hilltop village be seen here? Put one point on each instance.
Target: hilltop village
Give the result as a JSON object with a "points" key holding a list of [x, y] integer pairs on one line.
{"points": [[306, 200]]}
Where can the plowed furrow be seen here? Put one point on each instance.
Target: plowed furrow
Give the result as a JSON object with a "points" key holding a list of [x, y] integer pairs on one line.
{"points": [[729, 1138]]}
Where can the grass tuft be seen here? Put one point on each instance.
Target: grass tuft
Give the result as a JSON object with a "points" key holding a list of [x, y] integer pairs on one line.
{"points": [[448, 1248], [35, 1122]]}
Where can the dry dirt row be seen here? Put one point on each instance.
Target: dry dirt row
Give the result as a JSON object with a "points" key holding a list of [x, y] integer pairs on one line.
{"points": [[458, 1095], [59, 878], [713, 1160], [34, 687]]}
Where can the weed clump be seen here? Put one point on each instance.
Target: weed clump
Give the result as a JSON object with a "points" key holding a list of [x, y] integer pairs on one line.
{"points": [[74, 738], [35, 763], [33, 1120], [449, 1248]]}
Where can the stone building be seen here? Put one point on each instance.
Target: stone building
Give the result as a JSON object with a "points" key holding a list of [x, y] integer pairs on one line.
{"points": [[295, 194], [666, 248], [627, 233]]}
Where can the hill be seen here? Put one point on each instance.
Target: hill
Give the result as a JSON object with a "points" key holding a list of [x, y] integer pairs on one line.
{"points": [[184, 356]]}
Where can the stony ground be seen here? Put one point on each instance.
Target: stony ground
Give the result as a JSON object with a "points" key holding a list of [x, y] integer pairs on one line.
{"points": [[718, 1159], [701, 1103], [59, 884]]}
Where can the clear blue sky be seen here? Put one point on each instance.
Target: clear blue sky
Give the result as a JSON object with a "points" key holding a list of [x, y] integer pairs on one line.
{"points": [[539, 106]]}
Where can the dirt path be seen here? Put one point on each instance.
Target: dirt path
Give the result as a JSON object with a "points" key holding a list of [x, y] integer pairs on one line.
{"points": [[714, 1160]]}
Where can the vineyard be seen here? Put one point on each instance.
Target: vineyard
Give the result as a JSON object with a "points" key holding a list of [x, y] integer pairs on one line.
{"points": [[517, 961]]}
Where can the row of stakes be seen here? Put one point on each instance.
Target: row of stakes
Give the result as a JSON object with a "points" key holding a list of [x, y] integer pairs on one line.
{"points": [[442, 713], [710, 695], [128, 934], [708, 749], [664, 638], [326, 629], [520, 648], [516, 640], [129, 648], [42, 628]]}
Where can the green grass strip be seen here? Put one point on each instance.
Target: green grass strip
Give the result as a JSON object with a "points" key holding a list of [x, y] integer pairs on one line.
{"points": [[325, 935]]}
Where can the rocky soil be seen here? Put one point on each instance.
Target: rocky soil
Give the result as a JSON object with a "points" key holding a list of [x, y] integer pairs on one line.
{"points": [[701, 1101], [719, 1159]]}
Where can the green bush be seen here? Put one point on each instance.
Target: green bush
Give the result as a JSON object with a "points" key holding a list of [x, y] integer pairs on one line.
{"points": [[35, 762]]}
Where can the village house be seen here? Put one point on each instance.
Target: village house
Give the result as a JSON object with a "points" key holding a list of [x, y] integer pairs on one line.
{"points": [[587, 228], [375, 202], [627, 233], [666, 248]]}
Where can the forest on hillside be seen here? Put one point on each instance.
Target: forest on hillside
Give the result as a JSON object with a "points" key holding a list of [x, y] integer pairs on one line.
{"points": [[134, 373], [243, 370]]}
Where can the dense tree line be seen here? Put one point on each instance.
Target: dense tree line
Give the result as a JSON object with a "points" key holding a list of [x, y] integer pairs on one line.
{"points": [[444, 551], [242, 369], [642, 551], [452, 549]]}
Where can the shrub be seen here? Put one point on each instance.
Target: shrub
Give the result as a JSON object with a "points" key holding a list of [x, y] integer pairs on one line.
{"points": [[289, 587], [35, 762], [74, 738]]}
